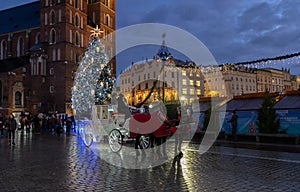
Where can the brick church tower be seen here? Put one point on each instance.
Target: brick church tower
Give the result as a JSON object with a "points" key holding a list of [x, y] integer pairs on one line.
{"points": [[52, 49]]}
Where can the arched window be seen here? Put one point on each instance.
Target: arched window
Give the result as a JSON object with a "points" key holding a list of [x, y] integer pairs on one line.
{"points": [[77, 22], [107, 20], [77, 39], [3, 49], [20, 47], [52, 36], [37, 38], [18, 98], [52, 17]]}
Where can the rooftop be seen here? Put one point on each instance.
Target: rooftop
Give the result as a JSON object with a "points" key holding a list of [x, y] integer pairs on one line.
{"points": [[20, 18]]}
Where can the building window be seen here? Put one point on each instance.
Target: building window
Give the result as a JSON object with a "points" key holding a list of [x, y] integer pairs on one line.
{"points": [[52, 36], [154, 74], [77, 39], [71, 16], [183, 81], [51, 89], [146, 86], [59, 15], [53, 55], [37, 38], [198, 83], [172, 75], [192, 91], [107, 3], [107, 20], [77, 23], [3, 49], [52, 17], [18, 98], [58, 54], [52, 2], [71, 37], [191, 82], [173, 84], [184, 91], [20, 47], [46, 19], [198, 92], [46, 2], [76, 4], [183, 73], [51, 71]]}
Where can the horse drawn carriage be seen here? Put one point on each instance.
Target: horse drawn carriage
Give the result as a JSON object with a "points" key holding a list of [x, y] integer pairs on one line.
{"points": [[142, 127]]}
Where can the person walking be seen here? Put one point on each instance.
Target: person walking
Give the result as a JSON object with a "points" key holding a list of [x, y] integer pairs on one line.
{"points": [[11, 125]]}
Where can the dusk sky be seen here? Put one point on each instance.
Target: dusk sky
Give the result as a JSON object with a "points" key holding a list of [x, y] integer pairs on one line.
{"points": [[233, 30]]}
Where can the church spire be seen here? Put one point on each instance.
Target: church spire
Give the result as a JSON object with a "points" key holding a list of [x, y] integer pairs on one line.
{"points": [[163, 52]]}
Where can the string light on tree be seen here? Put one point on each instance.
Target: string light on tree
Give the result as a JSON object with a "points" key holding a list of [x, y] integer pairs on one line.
{"points": [[93, 83]]}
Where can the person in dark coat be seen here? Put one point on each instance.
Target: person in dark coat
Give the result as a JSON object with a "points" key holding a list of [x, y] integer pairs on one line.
{"points": [[68, 125], [233, 122], [11, 125]]}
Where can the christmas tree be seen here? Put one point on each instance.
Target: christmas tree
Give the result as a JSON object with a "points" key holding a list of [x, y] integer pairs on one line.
{"points": [[104, 86], [267, 121], [93, 82]]}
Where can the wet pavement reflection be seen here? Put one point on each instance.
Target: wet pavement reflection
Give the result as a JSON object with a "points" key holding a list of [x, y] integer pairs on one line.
{"points": [[51, 163]]}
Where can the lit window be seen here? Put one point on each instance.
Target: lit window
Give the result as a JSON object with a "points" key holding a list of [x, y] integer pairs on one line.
{"points": [[192, 91], [183, 81], [184, 91], [198, 83], [191, 82], [183, 73]]}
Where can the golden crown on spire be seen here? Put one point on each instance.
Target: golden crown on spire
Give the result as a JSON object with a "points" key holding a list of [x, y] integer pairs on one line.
{"points": [[96, 32]]}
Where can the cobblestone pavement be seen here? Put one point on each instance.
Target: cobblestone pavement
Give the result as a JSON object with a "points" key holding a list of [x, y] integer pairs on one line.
{"points": [[51, 163]]}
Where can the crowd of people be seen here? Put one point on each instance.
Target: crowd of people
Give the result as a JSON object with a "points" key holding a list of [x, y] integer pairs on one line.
{"points": [[39, 124]]}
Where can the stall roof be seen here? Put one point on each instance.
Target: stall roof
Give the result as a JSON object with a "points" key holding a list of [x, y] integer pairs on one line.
{"points": [[242, 104], [288, 102]]}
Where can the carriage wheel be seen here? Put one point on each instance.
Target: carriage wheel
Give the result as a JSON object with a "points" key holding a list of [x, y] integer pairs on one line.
{"points": [[115, 140], [87, 135], [145, 141]]}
